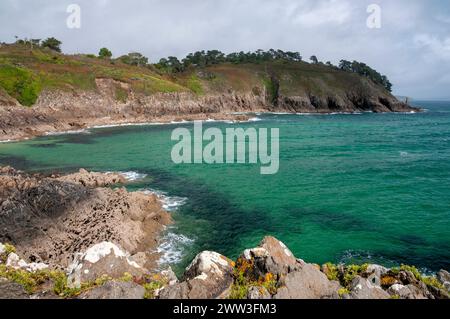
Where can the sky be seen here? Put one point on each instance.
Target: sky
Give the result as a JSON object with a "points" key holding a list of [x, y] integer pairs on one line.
{"points": [[412, 45]]}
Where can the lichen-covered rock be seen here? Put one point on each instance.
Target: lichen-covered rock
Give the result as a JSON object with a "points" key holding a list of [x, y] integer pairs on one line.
{"points": [[307, 283], [444, 278], [272, 256], [406, 292], [115, 290], [376, 272], [209, 276], [14, 261], [258, 293], [362, 288], [102, 259]]}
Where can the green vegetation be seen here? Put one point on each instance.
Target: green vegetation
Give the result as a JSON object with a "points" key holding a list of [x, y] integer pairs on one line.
{"points": [[20, 83], [32, 281], [134, 58], [194, 84], [428, 280], [121, 94], [343, 291], [332, 271], [29, 66], [351, 272], [244, 280], [104, 53], [365, 70], [52, 44]]}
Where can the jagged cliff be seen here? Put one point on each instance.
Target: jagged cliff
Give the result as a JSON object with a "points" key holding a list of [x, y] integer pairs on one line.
{"points": [[73, 92]]}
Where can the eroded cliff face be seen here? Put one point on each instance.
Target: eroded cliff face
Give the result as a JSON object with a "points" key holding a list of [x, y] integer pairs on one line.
{"points": [[72, 110]]}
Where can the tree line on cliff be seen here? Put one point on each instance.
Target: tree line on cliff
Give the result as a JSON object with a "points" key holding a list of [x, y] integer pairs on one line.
{"points": [[204, 58]]}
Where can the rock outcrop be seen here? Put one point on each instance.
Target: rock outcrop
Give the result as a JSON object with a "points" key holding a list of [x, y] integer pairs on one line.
{"points": [[209, 276], [105, 271], [50, 218]]}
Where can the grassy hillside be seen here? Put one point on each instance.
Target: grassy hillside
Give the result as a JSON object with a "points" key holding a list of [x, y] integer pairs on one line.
{"points": [[24, 73]]}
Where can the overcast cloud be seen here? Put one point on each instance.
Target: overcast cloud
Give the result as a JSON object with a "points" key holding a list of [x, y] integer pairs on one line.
{"points": [[412, 47]]}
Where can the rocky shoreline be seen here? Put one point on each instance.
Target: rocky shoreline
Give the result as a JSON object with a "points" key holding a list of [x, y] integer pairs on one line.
{"points": [[76, 236], [50, 218], [60, 111], [269, 271]]}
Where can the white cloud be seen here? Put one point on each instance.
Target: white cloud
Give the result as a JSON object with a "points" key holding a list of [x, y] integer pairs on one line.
{"points": [[439, 48], [409, 48], [330, 12]]}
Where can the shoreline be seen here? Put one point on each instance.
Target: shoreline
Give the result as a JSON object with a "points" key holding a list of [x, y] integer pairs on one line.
{"points": [[232, 118]]}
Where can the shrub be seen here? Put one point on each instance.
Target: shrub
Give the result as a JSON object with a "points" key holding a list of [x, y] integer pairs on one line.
{"points": [[332, 271], [20, 83]]}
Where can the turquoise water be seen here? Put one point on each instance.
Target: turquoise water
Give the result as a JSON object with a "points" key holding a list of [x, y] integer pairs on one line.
{"points": [[350, 188]]}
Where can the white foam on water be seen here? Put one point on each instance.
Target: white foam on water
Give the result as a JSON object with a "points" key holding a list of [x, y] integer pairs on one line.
{"points": [[169, 203], [172, 248], [132, 176], [81, 131], [172, 245], [404, 154]]}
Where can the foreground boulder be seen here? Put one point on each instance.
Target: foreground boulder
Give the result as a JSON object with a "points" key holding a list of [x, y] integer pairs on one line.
{"points": [[115, 290], [271, 256], [307, 283], [362, 288], [99, 260], [406, 292], [444, 277], [12, 290], [209, 276]]}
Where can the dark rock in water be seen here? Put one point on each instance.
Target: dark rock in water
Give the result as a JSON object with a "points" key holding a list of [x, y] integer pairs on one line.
{"points": [[362, 288], [209, 276], [11, 290], [307, 283], [115, 290]]}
